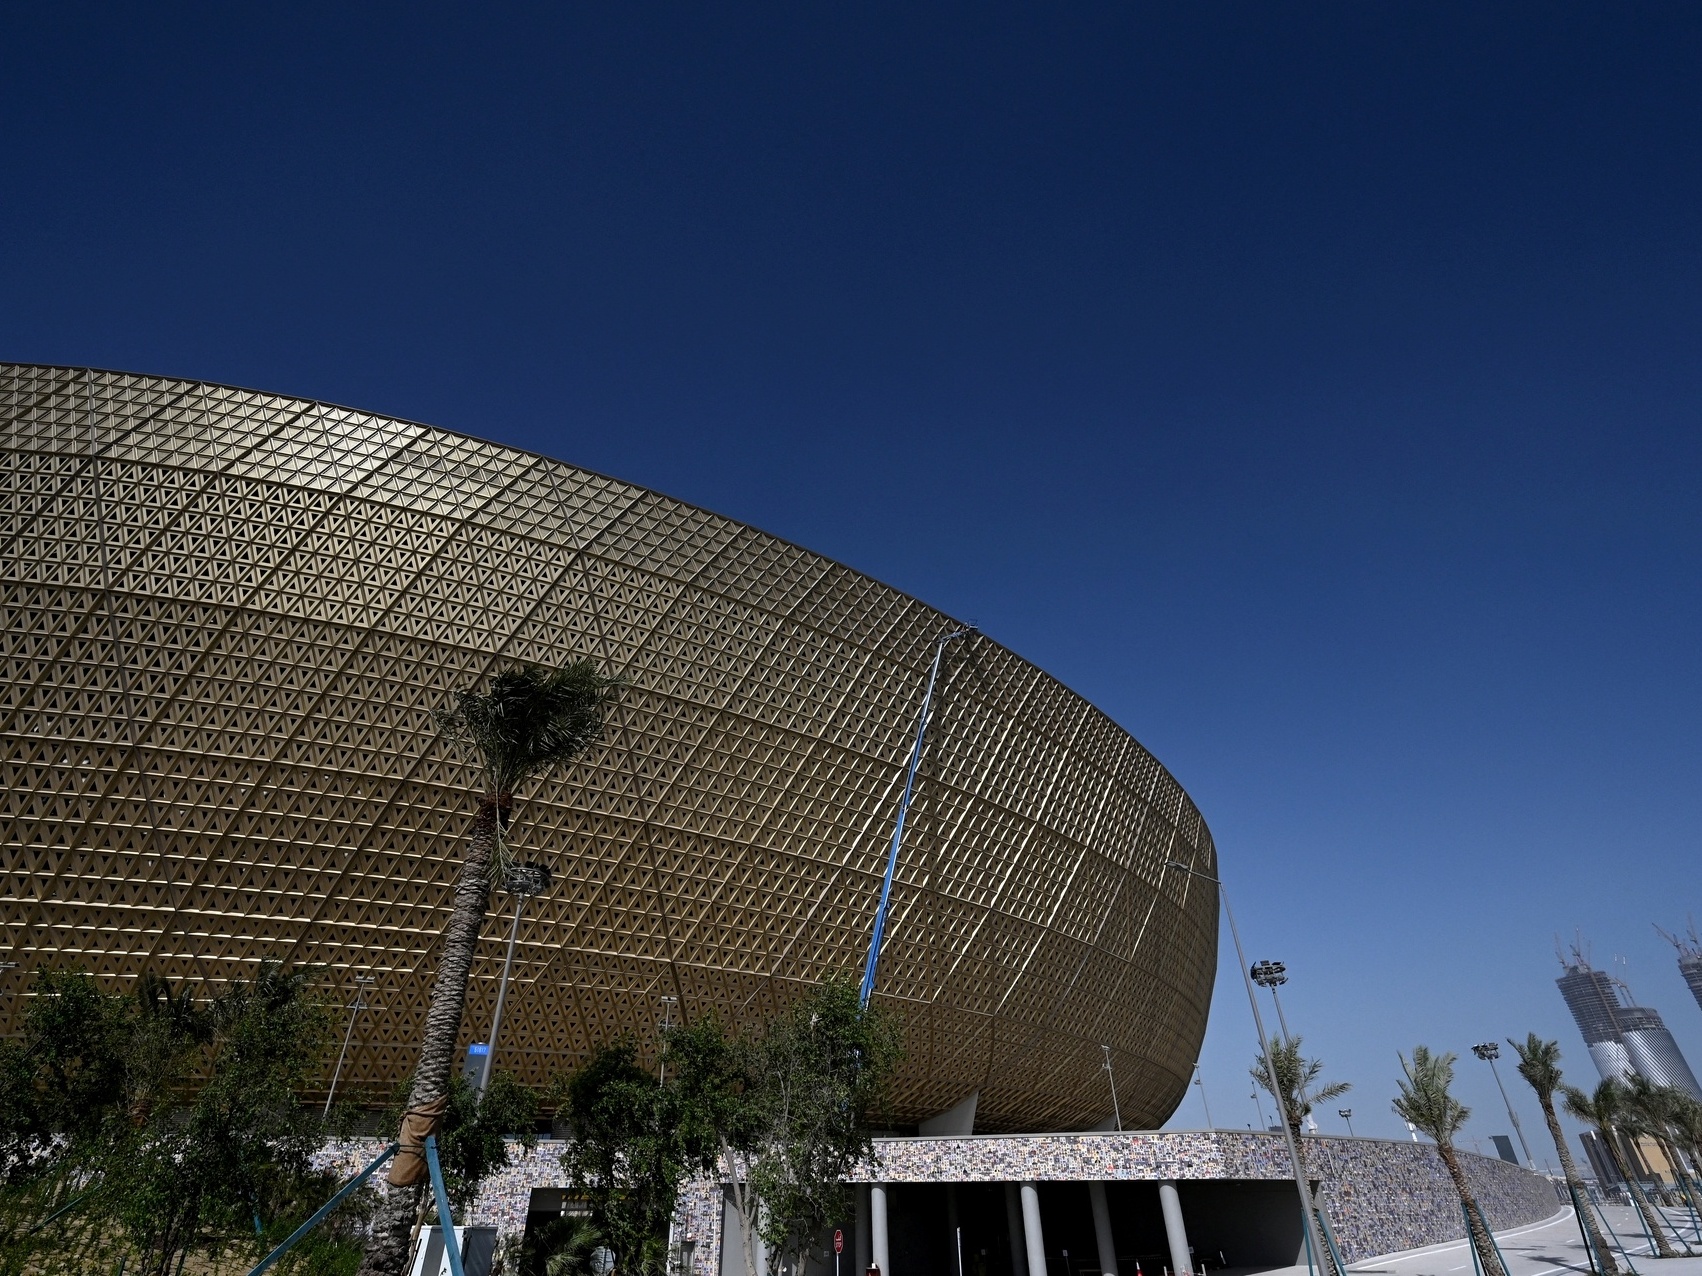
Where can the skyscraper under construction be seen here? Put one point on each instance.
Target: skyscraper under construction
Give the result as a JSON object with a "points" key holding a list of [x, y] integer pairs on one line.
{"points": [[1622, 1037], [1689, 947]]}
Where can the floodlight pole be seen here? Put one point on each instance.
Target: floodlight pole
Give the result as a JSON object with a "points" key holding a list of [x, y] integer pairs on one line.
{"points": [[1301, 1184], [879, 933], [1489, 1052]]}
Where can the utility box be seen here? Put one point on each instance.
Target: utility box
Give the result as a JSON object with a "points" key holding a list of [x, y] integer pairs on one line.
{"points": [[478, 1251]]}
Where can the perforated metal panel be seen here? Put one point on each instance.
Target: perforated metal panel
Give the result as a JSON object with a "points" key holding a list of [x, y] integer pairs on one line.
{"points": [[228, 615]]}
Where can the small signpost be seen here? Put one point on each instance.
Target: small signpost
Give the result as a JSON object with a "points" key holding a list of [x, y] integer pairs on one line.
{"points": [[838, 1248]]}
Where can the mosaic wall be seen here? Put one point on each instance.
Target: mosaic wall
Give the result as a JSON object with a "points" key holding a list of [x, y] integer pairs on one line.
{"points": [[226, 617], [1381, 1195]]}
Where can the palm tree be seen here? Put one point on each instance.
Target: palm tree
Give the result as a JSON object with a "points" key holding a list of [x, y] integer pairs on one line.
{"points": [[1605, 1109], [1424, 1100], [1687, 1133], [531, 721], [1293, 1085], [1539, 1065], [1296, 1076], [1653, 1110]]}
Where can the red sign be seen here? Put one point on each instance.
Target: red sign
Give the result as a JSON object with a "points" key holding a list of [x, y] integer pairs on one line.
{"points": [[838, 1241]]}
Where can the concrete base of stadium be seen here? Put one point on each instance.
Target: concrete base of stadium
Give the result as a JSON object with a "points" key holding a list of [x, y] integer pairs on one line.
{"points": [[1135, 1204]]}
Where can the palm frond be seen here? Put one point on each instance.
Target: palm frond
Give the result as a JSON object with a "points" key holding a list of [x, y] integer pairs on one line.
{"points": [[1424, 1097], [1295, 1078], [1539, 1063], [530, 720]]}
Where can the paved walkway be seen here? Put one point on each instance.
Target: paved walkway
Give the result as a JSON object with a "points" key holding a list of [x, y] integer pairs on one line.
{"points": [[1549, 1248]]}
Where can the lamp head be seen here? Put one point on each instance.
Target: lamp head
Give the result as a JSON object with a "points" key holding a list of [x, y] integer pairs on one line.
{"points": [[528, 880], [1488, 1051]]}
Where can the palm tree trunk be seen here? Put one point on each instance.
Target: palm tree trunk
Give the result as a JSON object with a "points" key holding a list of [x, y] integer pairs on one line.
{"points": [[1478, 1231], [1604, 1255], [1326, 1261], [391, 1238], [1681, 1185], [1663, 1247]]}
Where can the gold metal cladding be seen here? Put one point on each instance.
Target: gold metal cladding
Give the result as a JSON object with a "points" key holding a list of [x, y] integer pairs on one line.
{"points": [[227, 616]]}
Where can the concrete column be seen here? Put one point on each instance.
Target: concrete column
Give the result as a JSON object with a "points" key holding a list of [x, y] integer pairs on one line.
{"points": [[1031, 1233], [861, 1253], [1102, 1229], [880, 1253], [1013, 1220], [1181, 1262], [951, 1225]]}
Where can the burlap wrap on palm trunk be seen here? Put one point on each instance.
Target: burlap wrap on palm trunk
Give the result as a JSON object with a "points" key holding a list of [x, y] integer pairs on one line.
{"points": [[410, 1167]]}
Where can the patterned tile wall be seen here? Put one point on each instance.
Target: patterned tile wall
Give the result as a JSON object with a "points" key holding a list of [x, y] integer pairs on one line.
{"points": [[1381, 1195]]}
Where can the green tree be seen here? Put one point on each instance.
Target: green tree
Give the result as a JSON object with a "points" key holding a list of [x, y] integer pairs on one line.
{"points": [[63, 1082], [1296, 1084], [162, 1126], [626, 1157], [529, 722], [1605, 1108], [1539, 1065], [637, 1136], [63, 1092], [478, 1136], [1425, 1100], [1687, 1131], [800, 1123], [1654, 1111], [214, 1170]]}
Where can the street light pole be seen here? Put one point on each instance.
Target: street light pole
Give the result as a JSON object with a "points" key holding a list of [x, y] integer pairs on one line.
{"points": [[362, 982], [1111, 1078], [668, 1004], [1346, 1114], [524, 881], [1200, 1081], [1489, 1052], [1317, 1252]]}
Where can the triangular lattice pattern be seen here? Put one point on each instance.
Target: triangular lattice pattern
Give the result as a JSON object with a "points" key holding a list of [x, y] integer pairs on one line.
{"points": [[228, 615]]}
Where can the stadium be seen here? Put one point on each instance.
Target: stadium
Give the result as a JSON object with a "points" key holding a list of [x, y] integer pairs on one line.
{"points": [[229, 616]]}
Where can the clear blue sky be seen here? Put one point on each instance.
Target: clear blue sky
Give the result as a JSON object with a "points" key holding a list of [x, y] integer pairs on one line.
{"points": [[1313, 387]]}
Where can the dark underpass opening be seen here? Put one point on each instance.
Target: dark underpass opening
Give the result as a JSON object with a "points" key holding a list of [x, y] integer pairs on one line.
{"points": [[1244, 1225]]}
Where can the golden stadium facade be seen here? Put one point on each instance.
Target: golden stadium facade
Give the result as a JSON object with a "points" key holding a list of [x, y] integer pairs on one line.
{"points": [[228, 616]]}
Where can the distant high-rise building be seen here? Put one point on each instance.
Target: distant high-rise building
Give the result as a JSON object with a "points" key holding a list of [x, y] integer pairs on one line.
{"points": [[1621, 1037], [1689, 947], [1607, 1173]]}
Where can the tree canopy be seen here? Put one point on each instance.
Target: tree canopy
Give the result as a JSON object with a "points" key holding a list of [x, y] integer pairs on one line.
{"points": [[783, 1111]]}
